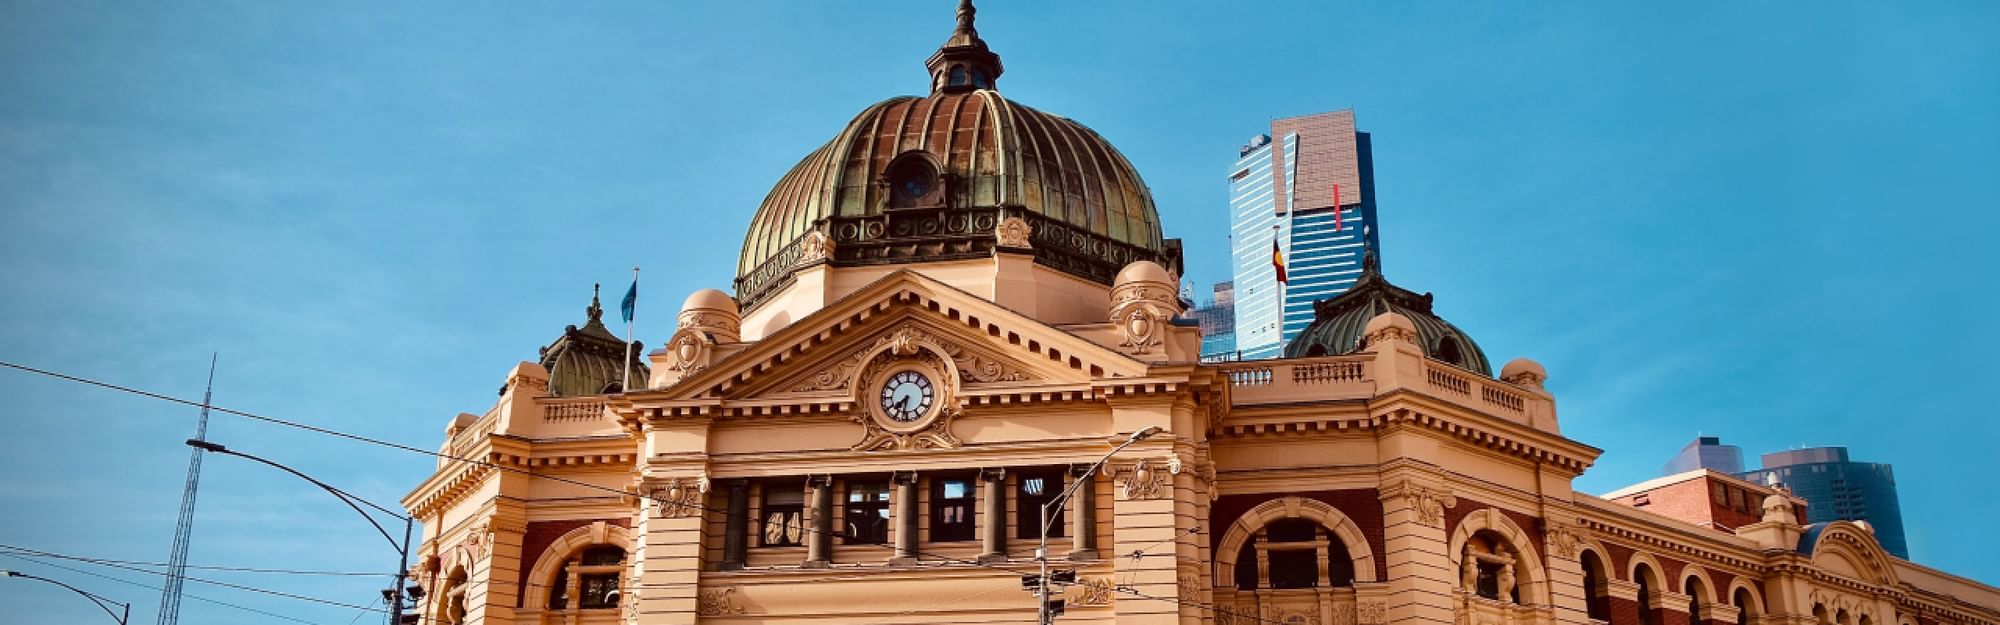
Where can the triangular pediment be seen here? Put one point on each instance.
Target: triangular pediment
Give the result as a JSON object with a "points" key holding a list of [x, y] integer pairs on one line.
{"points": [[820, 355]]}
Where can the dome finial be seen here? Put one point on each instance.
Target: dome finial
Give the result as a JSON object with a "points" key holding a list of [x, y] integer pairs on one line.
{"points": [[963, 63], [596, 309]]}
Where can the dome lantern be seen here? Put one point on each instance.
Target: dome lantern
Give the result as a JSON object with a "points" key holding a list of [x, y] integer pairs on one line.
{"points": [[963, 63]]}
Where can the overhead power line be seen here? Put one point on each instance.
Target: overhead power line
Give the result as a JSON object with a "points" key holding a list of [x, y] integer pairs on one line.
{"points": [[155, 588], [34, 557], [232, 569], [499, 467]]}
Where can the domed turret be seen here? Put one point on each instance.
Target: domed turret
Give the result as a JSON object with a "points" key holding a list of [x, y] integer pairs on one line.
{"points": [[1341, 325], [946, 177], [590, 360]]}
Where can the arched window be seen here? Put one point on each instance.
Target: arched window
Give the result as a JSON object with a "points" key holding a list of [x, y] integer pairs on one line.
{"points": [[1642, 575], [1743, 604], [588, 580], [1490, 568], [1597, 596], [1448, 350], [451, 602], [1694, 591], [958, 76], [1820, 616], [1293, 553]]}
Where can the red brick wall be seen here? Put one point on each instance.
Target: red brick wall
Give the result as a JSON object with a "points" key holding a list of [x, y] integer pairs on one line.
{"points": [[1624, 611], [1686, 501], [541, 534], [1669, 616], [1361, 505]]}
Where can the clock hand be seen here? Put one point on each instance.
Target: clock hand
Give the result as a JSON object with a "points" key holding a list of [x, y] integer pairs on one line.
{"points": [[904, 403]]}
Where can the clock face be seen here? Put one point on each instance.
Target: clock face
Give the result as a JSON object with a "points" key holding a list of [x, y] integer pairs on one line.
{"points": [[907, 396]]}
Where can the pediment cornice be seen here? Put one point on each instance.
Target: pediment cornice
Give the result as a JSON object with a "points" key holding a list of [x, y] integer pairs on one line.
{"points": [[806, 366]]}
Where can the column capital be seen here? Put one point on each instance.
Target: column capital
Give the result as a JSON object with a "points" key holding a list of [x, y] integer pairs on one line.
{"points": [[1621, 589], [903, 477], [823, 480], [1668, 600], [993, 474]]}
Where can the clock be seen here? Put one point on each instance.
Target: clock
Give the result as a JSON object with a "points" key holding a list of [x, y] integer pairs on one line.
{"points": [[908, 396]]}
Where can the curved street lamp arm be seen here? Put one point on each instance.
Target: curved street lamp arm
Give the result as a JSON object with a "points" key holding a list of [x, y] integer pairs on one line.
{"points": [[99, 600], [1057, 503], [342, 495]]}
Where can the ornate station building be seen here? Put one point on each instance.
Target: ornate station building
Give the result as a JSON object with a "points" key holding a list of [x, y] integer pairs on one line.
{"points": [[946, 316]]}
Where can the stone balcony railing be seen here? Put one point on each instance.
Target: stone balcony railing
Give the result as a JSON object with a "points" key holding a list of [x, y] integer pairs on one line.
{"points": [[573, 409], [1362, 376], [1299, 380]]}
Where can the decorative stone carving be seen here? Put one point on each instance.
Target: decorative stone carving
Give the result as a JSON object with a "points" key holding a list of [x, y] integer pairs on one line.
{"points": [[1014, 232], [1371, 613], [1778, 509], [1092, 591], [1562, 540], [1143, 302], [717, 602], [690, 350], [1468, 576], [1204, 471], [902, 350], [681, 497], [1190, 586], [972, 366], [1147, 479], [528, 385], [816, 247], [1343, 614], [1429, 505], [1307, 614]]}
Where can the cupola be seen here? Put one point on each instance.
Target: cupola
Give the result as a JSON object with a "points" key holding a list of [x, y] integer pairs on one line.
{"points": [[963, 63], [591, 360], [1342, 324]]}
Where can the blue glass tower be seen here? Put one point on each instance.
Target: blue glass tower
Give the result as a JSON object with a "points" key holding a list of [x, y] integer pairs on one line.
{"points": [[1837, 489], [1285, 191]]}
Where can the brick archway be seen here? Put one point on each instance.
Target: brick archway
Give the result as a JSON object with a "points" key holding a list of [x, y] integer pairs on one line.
{"points": [[1327, 516]]}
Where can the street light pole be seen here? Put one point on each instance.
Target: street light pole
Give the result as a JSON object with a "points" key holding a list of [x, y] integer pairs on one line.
{"points": [[1054, 506], [395, 594], [95, 598]]}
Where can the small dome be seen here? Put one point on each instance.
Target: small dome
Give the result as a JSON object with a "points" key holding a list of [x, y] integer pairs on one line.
{"points": [[1144, 271], [709, 299], [591, 360], [1342, 324], [1517, 368]]}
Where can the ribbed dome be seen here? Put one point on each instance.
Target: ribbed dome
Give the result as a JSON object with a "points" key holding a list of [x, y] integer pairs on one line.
{"points": [[1340, 324], [914, 179], [591, 360]]}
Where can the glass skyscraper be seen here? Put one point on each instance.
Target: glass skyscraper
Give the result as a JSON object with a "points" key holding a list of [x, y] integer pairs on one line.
{"points": [[1284, 191], [1836, 489]]}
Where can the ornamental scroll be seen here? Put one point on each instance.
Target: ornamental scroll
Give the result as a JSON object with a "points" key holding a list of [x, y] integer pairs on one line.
{"points": [[682, 497], [1146, 479]]}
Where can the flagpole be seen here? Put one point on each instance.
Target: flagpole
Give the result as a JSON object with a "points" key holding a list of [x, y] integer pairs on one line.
{"points": [[625, 383]]}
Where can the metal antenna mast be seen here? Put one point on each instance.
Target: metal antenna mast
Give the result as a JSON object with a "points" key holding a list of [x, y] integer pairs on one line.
{"points": [[170, 595]]}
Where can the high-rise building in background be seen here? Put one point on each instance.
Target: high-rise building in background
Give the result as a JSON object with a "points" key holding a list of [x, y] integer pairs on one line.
{"points": [[1218, 323], [1282, 201], [1706, 452], [1837, 489]]}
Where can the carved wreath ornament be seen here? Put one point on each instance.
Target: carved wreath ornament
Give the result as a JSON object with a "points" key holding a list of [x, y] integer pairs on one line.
{"points": [[907, 355], [1141, 313], [1147, 479]]}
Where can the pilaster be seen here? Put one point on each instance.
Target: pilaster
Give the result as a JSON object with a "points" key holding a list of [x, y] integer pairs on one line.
{"points": [[1421, 577], [667, 550], [1144, 521]]}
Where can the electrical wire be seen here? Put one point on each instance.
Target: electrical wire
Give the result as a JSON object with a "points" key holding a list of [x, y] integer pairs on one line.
{"points": [[358, 615], [151, 587], [232, 569], [266, 591], [527, 472]]}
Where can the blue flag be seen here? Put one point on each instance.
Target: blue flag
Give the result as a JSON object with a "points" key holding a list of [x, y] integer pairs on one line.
{"points": [[631, 301]]}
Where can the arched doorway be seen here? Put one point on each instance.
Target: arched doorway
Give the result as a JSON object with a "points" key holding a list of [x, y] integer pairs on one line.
{"points": [[1294, 561]]}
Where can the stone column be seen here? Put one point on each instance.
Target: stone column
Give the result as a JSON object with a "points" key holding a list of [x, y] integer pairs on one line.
{"points": [[736, 526], [993, 523], [903, 516], [1083, 504], [819, 546]]}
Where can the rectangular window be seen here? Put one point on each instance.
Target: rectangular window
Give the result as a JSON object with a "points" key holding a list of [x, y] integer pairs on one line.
{"points": [[951, 509], [784, 515], [1031, 491], [867, 513], [1721, 494]]}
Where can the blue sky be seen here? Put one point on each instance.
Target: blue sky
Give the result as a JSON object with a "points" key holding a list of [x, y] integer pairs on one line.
{"points": [[1763, 221]]}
